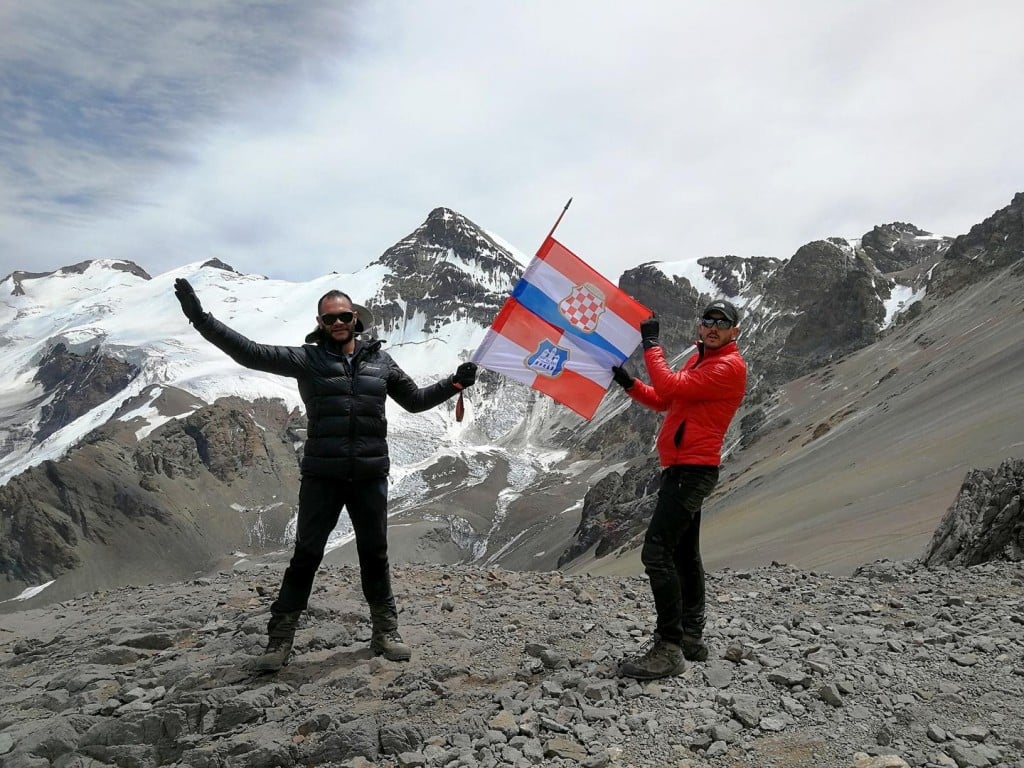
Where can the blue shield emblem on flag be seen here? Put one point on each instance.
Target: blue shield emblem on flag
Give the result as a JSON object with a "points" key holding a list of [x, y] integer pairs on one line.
{"points": [[548, 360]]}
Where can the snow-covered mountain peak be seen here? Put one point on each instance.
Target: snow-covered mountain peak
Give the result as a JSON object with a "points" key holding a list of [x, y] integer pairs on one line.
{"points": [[86, 275], [115, 312], [449, 248]]}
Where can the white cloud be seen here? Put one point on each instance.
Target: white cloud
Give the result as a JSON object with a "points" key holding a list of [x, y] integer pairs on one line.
{"points": [[315, 141]]}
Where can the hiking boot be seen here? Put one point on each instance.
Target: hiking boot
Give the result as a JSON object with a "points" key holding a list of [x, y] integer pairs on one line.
{"points": [[281, 635], [385, 640], [662, 659], [388, 643], [694, 648], [276, 654]]}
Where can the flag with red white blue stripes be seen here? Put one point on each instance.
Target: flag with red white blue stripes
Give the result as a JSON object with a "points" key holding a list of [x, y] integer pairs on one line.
{"points": [[562, 329]]}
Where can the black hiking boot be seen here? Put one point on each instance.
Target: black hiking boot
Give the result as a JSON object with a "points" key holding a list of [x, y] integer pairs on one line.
{"points": [[694, 648], [281, 635], [276, 654], [662, 659]]}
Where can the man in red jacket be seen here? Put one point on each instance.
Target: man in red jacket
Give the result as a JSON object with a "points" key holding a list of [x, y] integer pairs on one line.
{"points": [[699, 401]]}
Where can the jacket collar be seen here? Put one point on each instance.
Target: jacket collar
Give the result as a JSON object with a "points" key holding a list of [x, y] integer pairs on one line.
{"points": [[315, 337], [361, 347], [722, 350], [703, 353]]}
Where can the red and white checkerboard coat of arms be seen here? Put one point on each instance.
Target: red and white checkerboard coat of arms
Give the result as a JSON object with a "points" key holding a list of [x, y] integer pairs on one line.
{"points": [[583, 307]]}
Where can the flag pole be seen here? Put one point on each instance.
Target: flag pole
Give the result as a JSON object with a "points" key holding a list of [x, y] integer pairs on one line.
{"points": [[460, 408], [558, 220]]}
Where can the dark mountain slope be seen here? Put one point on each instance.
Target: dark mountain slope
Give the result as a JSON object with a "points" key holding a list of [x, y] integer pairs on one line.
{"points": [[861, 459]]}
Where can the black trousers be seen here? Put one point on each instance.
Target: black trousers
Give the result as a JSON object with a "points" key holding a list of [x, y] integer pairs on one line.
{"points": [[320, 503], [671, 551]]}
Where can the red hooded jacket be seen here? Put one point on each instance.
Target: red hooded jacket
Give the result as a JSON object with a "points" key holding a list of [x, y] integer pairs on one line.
{"points": [[700, 399]]}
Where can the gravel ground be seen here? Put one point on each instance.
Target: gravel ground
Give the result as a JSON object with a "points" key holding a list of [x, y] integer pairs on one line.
{"points": [[895, 665]]}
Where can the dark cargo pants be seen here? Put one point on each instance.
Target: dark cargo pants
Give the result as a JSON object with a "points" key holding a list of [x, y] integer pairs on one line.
{"points": [[671, 551], [320, 503]]}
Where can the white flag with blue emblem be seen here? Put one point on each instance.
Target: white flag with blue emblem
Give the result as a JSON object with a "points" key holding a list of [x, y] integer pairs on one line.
{"points": [[563, 329]]}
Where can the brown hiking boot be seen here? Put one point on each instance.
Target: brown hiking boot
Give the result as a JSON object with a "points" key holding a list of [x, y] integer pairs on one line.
{"points": [[694, 648], [385, 640], [281, 635], [389, 644], [662, 659]]}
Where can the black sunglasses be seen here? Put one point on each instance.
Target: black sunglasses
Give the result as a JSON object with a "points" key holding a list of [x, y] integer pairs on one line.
{"points": [[717, 322], [331, 319]]}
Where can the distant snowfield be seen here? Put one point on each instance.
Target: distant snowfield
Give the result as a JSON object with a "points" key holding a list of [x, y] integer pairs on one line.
{"points": [[140, 320]]}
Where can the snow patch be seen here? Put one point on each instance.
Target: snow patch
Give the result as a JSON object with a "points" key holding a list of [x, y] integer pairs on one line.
{"points": [[900, 300], [30, 592], [692, 271]]}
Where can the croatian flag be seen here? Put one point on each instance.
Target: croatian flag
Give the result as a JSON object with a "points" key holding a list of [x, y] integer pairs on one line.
{"points": [[562, 330]]}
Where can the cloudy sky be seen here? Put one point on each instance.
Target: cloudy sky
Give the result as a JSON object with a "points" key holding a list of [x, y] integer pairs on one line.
{"points": [[295, 139]]}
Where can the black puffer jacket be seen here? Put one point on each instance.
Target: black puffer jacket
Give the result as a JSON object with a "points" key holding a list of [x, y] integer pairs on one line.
{"points": [[347, 433]]}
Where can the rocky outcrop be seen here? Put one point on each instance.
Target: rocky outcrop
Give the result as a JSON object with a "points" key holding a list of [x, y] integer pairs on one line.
{"points": [[229, 441], [815, 267], [986, 522], [218, 264], [615, 510], [735, 274], [677, 303], [824, 302], [77, 383], [843, 316], [899, 246], [223, 478], [994, 244]]}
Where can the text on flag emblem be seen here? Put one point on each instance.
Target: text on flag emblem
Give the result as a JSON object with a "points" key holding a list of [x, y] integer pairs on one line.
{"points": [[583, 307]]}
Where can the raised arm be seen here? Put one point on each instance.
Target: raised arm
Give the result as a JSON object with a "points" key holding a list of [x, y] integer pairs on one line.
{"points": [[721, 379], [284, 361]]}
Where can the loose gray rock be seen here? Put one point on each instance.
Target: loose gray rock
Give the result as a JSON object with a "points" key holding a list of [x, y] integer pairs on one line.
{"points": [[831, 670]]}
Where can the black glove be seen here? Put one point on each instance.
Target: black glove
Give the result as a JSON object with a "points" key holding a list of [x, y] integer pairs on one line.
{"points": [[649, 330], [465, 375], [189, 301], [621, 377]]}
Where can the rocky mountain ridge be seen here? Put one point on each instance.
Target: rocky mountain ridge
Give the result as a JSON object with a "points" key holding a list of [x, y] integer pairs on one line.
{"points": [[205, 485], [508, 489], [986, 522], [883, 390], [448, 269]]}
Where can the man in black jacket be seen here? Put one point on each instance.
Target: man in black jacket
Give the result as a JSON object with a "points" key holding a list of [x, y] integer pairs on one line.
{"points": [[343, 382]]}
